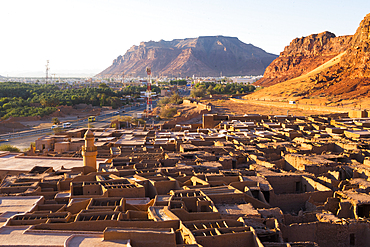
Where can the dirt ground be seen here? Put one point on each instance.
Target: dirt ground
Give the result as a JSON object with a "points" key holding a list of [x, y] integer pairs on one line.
{"points": [[185, 114], [227, 106]]}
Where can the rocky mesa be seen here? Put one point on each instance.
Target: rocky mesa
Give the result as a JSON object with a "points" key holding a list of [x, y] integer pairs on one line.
{"points": [[202, 56]]}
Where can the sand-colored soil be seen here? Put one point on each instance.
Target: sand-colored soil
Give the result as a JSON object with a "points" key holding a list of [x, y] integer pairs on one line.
{"points": [[287, 90], [241, 107]]}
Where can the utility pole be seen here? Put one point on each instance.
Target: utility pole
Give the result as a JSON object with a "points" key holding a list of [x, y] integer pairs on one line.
{"points": [[47, 72], [149, 92]]}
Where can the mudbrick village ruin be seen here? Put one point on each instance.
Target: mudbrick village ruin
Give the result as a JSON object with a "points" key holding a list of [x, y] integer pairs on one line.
{"points": [[249, 180], [252, 180]]}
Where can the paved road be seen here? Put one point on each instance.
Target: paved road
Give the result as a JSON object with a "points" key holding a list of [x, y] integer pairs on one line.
{"points": [[23, 140], [75, 124]]}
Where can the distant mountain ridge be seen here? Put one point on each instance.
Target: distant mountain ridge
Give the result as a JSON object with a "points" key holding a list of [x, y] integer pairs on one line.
{"points": [[202, 56]]}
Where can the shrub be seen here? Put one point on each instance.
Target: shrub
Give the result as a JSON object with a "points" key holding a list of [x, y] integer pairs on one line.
{"points": [[168, 112], [174, 99], [8, 147], [164, 101], [55, 120]]}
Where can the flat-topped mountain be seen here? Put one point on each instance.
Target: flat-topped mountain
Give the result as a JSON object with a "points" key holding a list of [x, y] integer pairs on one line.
{"points": [[202, 56]]}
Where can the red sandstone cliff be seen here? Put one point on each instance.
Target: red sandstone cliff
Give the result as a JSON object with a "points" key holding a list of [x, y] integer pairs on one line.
{"points": [[303, 55], [350, 78], [305, 68]]}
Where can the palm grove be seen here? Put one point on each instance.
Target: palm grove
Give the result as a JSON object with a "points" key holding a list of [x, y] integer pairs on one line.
{"points": [[23, 99]]}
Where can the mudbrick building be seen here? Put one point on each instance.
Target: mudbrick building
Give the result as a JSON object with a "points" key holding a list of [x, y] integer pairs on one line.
{"points": [[252, 180]]}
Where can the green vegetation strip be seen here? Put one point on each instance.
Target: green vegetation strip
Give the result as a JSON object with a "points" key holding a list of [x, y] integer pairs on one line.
{"points": [[24, 99]]}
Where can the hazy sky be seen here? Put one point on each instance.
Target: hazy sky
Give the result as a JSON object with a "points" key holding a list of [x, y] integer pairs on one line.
{"points": [[84, 36]]}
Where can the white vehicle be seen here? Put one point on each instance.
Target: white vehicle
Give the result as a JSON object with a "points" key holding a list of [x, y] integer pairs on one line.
{"points": [[66, 125], [54, 126]]}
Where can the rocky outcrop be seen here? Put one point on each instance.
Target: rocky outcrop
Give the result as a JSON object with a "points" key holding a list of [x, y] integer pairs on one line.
{"points": [[347, 78], [357, 58], [303, 55], [202, 56], [350, 78]]}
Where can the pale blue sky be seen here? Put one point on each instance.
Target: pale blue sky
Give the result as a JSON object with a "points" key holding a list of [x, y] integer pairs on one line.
{"points": [[86, 35]]}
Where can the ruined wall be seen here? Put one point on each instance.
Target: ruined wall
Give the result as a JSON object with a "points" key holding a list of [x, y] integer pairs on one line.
{"points": [[199, 105], [284, 184], [328, 234], [300, 162], [297, 202]]}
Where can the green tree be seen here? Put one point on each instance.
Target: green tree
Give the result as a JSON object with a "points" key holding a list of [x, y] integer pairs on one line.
{"points": [[22, 99], [198, 92], [176, 99], [103, 85], [210, 90], [178, 82], [55, 120]]}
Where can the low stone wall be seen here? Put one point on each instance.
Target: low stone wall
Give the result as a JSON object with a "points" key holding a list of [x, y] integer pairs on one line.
{"points": [[328, 234], [199, 105]]}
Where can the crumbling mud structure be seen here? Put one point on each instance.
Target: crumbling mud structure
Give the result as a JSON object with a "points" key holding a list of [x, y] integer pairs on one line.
{"points": [[252, 180]]}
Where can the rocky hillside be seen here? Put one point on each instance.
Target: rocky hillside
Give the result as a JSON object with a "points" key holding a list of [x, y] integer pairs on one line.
{"points": [[202, 56], [351, 76], [303, 55], [322, 65]]}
